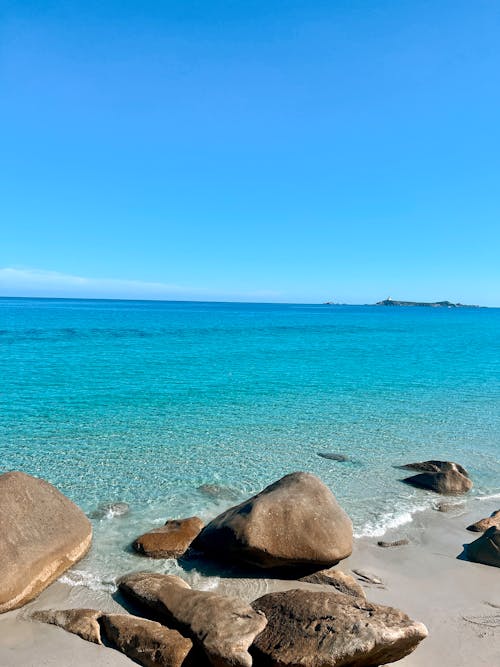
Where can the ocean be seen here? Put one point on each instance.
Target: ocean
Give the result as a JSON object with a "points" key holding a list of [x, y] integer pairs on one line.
{"points": [[182, 408]]}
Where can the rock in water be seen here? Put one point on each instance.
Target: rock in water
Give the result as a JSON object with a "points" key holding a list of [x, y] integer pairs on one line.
{"points": [[317, 629], [342, 582], [484, 524], [218, 492], [42, 534], [169, 541], [294, 522], [395, 543], [442, 477], [223, 627], [486, 549], [81, 622], [110, 510], [333, 456], [147, 642]]}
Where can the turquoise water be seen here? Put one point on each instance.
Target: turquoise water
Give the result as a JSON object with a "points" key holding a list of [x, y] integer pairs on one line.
{"points": [[143, 402]]}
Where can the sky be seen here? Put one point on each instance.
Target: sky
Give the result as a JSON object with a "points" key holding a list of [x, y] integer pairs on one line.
{"points": [[298, 151]]}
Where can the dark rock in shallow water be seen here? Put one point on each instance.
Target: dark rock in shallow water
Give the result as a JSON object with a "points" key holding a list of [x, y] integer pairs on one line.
{"points": [[110, 510], [224, 627], [295, 522], [486, 549], [442, 477], [448, 507], [218, 492], [484, 524], [169, 541], [342, 582], [332, 456], [329, 629]]}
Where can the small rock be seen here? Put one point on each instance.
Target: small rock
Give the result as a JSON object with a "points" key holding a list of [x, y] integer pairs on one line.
{"points": [[368, 577], [436, 466], [294, 522], [218, 492], [81, 622], [342, 458], [169, 541], [147, 642], [443, 477], [484, 524], [110, 510], [396, 543], [486, 549], [329, 629], [448, 507], [342, 582]]}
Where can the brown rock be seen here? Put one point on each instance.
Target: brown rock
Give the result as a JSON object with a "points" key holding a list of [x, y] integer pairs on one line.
{"points": [[169, 541], [342, 582], [436, 466], [449, 482], [294, 522], [319, 629], [147, 642], [42, 534], [223, 627], [81, 622], [395, 543], [486, 549], [484, 524]]}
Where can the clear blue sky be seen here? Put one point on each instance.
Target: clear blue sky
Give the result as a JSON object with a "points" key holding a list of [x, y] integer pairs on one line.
{"points": [[280, 151]]}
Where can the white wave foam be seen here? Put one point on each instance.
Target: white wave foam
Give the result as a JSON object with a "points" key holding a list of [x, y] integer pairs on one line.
{"points": [[88, 580], [492, 496], [388, 521]]}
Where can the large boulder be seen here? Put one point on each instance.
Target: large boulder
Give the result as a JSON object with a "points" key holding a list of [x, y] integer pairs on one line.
{"points": [[323, 629], [294, 522], [147, 642], [81, 622], [484, 524], [442, 477], [338, 580], [42, 534], [169, 541], [486, 549], [224, 627]]}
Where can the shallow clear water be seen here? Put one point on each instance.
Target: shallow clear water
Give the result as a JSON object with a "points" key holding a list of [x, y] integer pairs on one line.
{"points": [[144, 402]]}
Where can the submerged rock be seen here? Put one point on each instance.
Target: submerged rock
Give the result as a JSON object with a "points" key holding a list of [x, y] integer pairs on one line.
{"points": [[332, 456], [329, 629], [224, 627], [81, 622], [147, 642], [442, 477], [448, 507], [110, 510], [294, 522], [218, 492], [169, 541], [486, 549], [42, 535], [342, 582], [484, 524]]}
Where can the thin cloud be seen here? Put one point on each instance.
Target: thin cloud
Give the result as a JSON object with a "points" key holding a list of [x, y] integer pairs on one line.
{"points": [[41, 283]]}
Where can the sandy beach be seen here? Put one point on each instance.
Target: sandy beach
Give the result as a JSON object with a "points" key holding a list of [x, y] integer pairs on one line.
{"points": [[459, 601]]}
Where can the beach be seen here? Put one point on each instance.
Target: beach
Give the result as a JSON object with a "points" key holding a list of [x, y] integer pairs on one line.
{"points": [[458, 601]]}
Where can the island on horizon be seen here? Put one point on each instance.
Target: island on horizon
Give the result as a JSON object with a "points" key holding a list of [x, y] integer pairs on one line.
{"points": [[431, 304]]}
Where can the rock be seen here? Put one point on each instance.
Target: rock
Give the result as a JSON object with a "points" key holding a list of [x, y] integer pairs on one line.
{"points": [[368, 577], [147, 642], [436, 466], [486, 549], [329, 629], [42, 534], [484, 524], [448, 507], [144, 588], [224, 627], [110, 510], [218, 492], [339, 580], [169, 541], [396, 543], [447, 478], [294, 522], [81, 622], [333, 456]]}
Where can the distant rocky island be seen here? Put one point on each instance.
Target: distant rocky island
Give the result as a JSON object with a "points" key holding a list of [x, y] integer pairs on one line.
{"points": [[434, 304]]}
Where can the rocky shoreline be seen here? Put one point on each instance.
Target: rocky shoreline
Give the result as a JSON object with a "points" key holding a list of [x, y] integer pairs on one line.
{"points": [[208, 620]]}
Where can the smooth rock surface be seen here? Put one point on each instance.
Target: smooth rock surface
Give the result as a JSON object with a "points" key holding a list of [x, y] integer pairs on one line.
{"points": [[486, 549], [42, 533], [484, 524], [342, 582], [224, 627], [294, 522], [449, 481], [309, 629], [81, 622], [169, 541], [147, 642], [436, 466]]}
